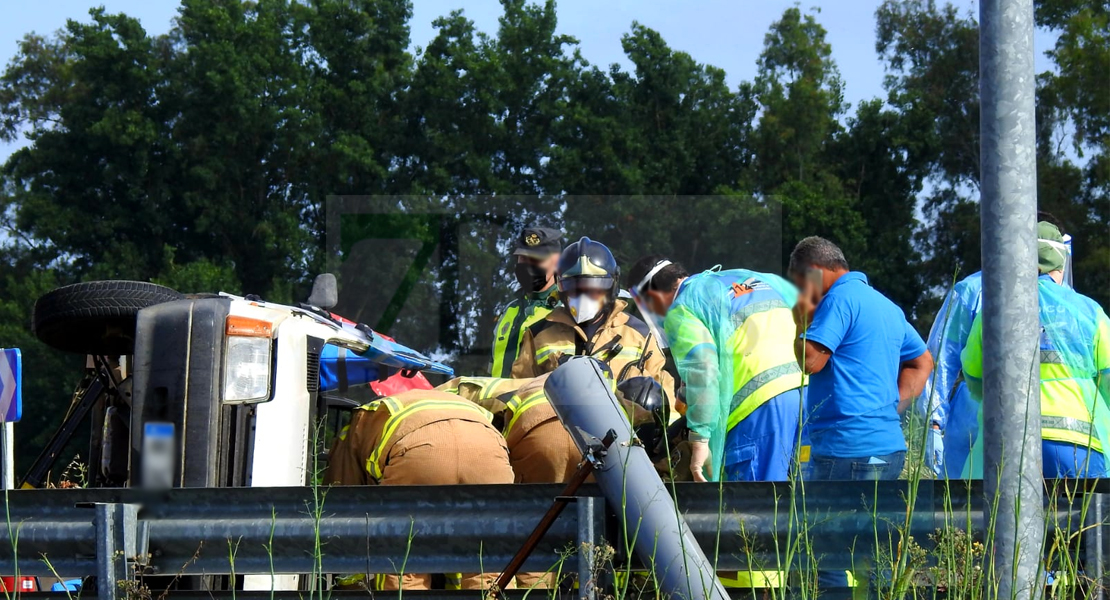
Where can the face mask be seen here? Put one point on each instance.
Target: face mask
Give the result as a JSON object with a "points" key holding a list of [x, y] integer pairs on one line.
{"points": [[532, 278], [584, 308]]}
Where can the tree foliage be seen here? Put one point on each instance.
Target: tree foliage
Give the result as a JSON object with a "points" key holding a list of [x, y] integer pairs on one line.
{"points": [[231, 153]]}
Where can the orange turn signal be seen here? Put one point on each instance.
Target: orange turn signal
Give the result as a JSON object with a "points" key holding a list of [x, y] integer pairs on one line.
{"points": [[248, 327]]}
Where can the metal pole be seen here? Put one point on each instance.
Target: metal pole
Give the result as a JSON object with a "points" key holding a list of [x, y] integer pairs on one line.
{"points": [[7, 446], [1011, 325], [588, 538], [583, 398]]}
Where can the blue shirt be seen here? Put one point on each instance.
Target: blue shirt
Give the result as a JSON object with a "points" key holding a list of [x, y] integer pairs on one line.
{"points": [[853, 401]]}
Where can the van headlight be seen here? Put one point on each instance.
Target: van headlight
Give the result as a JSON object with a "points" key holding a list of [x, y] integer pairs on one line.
{"points": [[247, 360]]}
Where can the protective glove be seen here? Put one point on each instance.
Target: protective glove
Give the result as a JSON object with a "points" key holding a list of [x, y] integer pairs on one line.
{"points": [[934, 449], [699, 456]]}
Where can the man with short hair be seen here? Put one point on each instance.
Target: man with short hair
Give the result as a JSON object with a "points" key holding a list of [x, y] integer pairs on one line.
{"points": [[536, 254], [731, 335], [866, 365], [1074, 371]]}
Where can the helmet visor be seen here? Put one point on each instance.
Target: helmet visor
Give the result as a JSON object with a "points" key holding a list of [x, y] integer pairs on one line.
{"points": [[574, 284]]}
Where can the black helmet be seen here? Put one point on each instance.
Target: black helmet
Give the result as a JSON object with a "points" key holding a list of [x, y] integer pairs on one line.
{"points": [[648, 394], [588, 265]]}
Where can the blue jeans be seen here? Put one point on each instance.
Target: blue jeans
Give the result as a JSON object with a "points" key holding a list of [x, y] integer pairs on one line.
{"points": [[1064, 460], [867, 468], [761, 446]]}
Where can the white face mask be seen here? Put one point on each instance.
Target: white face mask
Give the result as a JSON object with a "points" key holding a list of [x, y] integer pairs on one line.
{"points": [[584, 308]]}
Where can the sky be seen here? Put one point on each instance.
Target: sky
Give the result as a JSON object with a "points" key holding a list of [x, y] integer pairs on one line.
{"points": [[724, 33]]}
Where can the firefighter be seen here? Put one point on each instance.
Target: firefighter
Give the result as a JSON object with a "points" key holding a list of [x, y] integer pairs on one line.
{"points": [[592, 322], [537, 252], [540, 449], [420, 437]]}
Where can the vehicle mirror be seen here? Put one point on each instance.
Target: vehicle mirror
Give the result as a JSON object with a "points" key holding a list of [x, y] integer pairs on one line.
{"points": [[325, 292], [11, 385]]}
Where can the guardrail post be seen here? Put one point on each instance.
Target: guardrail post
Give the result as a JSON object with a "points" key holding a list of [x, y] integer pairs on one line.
{"points": [[591, 518], [1096, 544], [117, 544]]}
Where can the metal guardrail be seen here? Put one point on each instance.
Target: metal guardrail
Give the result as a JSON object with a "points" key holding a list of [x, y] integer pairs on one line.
{"points": [[477, 528]]}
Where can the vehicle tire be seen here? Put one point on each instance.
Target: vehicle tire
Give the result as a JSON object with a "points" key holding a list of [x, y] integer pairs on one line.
{"points": [[97, 317]]}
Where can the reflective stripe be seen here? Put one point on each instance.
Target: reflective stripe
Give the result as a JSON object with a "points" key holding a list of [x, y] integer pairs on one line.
{"points": [[1067, 424], [737, 318], [1051, 357], [519, 405], [398, 413], [1071, 431], [751, 579], [545, 352], [752, 395], [630, 354]]}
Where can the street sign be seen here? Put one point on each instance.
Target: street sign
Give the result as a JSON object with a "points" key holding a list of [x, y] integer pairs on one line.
{"points": [[11, 385]]}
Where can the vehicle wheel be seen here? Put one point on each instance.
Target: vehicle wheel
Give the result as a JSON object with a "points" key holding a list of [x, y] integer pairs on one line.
{"points": [[97, 317]]}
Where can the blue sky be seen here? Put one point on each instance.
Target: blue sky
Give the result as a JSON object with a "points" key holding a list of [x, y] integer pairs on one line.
{"points": [[725, 33]]}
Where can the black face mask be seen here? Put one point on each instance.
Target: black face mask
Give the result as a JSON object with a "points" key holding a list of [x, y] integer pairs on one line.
{"points": [[532, 278]]}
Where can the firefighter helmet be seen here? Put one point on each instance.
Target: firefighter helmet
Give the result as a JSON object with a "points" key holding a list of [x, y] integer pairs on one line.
{"points": [[588, 265]]}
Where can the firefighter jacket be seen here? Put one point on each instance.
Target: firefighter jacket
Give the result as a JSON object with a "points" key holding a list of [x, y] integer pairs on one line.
{"points": [[360, 454], [622, 341]]}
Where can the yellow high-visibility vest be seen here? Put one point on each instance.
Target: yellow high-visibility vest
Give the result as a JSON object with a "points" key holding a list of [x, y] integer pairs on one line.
{"points": [[521, 314]]}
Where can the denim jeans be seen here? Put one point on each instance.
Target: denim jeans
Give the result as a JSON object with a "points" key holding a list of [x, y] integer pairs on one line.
{"points": [[867, 468]]}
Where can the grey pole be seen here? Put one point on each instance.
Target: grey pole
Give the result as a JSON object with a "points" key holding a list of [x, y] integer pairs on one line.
{"points": [[582, 397], [7, 447], [1011, 326]]}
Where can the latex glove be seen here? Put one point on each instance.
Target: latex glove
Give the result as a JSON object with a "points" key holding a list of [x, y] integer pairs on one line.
{"points": [[934, 449], [699, 456]]}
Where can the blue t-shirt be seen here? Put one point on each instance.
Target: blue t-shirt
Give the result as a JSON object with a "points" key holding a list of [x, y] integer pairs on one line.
{"points": [[853, 402]]}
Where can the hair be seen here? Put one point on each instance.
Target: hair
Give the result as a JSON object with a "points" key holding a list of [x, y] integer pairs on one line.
{"points": [[1050, 218], [665, 280], [815, 251]]}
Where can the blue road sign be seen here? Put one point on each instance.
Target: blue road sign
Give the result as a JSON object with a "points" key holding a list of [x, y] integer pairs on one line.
{"points": [[11, 385]]}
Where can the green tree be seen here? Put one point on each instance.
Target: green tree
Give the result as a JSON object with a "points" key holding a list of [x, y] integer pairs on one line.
{"points": [[932, 64], [801, 94], [870, 159], [97, 132]]}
